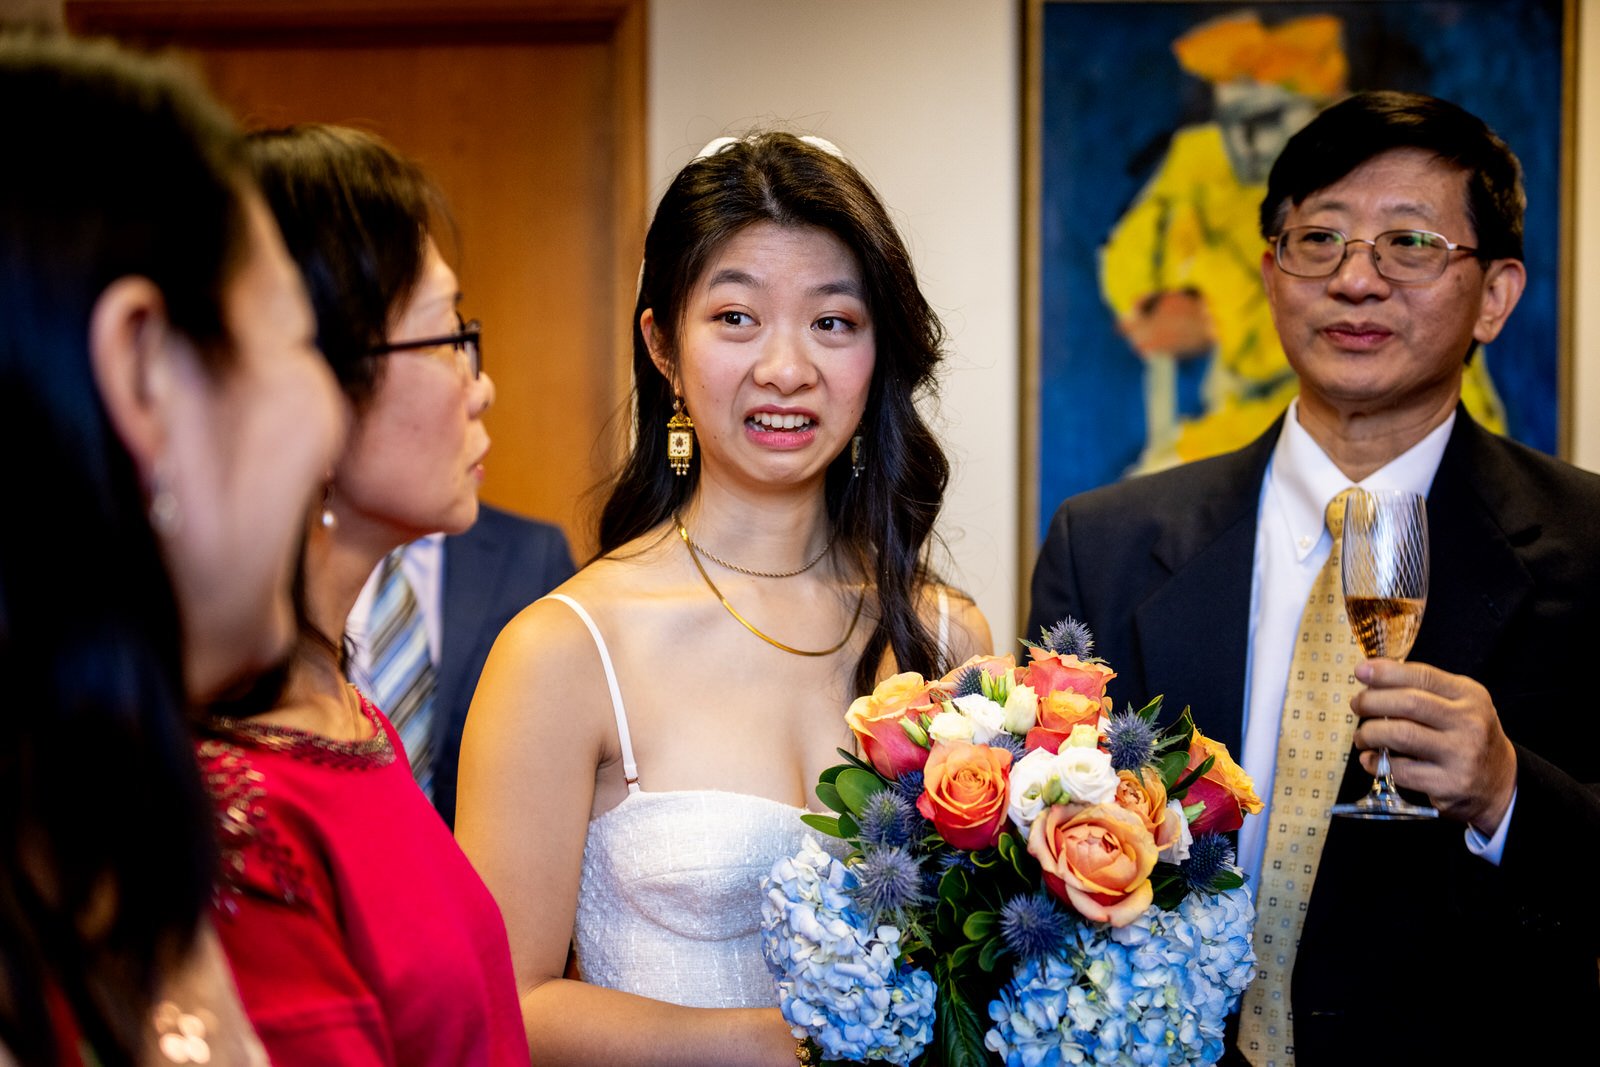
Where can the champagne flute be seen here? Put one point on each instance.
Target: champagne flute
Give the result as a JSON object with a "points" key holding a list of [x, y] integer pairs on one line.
{"points": [[1385, 570]]}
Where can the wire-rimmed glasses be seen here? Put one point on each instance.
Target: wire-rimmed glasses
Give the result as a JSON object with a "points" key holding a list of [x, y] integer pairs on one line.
{"points": [[1398, 255], [467, 339], [1384, 564]]}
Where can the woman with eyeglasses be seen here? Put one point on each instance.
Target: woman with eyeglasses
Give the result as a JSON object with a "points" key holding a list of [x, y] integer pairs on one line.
{"points": [[357, 929], [164, 421]]}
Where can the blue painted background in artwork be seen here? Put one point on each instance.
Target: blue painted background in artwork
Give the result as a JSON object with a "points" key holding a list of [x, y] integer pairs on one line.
{"points": [[1113, 95]]}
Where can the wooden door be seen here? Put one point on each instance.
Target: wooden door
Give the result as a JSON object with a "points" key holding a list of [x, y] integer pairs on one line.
{"points": [[530, 116]]}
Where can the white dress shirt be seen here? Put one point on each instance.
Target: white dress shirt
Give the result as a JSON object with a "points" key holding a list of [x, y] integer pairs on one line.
{"points": [[1291, 546], [423, 565]]}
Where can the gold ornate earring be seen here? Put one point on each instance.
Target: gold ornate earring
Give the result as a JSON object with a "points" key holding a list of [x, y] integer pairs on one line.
{"points": [[680, 438], [857, 462]]}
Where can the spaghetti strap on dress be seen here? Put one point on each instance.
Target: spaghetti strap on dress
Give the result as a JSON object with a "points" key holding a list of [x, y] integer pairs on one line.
{"points": [[669, 904]]}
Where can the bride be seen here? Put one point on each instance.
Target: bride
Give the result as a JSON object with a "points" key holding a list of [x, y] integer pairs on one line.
{"points": [[642, 741]]}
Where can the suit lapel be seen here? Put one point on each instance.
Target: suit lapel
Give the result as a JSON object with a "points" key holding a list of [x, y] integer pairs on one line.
{"points": [[1476, 581], [1194, 630], [472, 563]]}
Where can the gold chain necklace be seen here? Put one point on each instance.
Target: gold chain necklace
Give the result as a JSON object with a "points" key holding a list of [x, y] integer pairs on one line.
{"points": [[719, 561], [694, 554]]}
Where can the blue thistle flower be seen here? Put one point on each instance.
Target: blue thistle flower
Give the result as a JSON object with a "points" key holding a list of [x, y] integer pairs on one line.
{"points": [[1033, 927], [969, 683], [889, 819], [1209, 856], [910, 785], [1011, 743], [1130, 741], [888, 882], [1069, 637], [957, 858]]}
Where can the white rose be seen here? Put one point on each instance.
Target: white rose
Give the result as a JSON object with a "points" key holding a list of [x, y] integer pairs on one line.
{"points": [[1178, 851], [950, 726], [1022, 710], [1030, 775], [1085, 775], [987, 717]]}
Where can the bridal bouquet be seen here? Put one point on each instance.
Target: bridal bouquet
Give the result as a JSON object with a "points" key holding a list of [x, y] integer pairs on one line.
{"points": [[1028, 878]]}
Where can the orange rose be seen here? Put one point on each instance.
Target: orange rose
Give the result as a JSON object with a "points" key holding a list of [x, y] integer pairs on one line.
{"points": [[1097, 858], [875, 720], [1070, 692], [964, 792], [990, 665], [1142, 793], [1227, 791]]}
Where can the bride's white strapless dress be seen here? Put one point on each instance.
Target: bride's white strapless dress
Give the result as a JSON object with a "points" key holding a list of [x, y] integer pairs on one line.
{"points": [[669, 906]]}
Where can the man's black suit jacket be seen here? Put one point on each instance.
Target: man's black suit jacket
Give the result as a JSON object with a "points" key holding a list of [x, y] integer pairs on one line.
{"points": [[1414, 950], [501, 565]]}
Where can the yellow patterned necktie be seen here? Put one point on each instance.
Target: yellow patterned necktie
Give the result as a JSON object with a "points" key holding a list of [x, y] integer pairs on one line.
{"points": [[1314, 740]]}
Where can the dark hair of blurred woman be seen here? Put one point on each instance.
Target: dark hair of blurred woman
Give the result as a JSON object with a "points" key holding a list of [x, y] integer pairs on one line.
{"points": [[118, 166]]}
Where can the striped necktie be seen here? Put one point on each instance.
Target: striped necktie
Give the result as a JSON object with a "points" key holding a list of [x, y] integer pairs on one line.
{"points": [[1314, 741], [402, 672]]}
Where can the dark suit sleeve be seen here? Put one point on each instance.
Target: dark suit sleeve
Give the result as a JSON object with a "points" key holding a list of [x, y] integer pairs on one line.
{"points": [[1556, 817], [1054, 593]]}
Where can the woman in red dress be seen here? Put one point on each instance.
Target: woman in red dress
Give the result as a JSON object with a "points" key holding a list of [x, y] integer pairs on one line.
{"points": [[358, 931]]}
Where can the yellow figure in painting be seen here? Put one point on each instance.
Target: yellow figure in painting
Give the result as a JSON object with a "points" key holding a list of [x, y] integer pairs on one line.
{"points": [[1181, 269]]}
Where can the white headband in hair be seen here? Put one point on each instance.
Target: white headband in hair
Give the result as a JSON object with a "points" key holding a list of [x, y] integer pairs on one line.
{"points": [[717, 144]]}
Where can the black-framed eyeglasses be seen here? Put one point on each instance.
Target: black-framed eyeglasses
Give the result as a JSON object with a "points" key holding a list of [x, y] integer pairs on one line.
{"points": [[467, 339], [1398, 255]]}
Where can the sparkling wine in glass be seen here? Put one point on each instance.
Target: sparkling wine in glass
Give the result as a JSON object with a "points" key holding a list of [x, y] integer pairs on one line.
{"points": [[1385, 570]]}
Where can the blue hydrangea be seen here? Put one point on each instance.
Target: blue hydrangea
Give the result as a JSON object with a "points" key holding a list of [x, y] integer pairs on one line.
{"points": [[1156, 991], [837, 976]]}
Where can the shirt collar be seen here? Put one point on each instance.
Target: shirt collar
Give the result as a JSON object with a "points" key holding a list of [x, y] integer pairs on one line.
{"points": [[1304, 479]]}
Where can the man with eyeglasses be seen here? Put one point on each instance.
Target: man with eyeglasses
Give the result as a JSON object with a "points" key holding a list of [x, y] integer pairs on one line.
{"points": [[1394, 230]]}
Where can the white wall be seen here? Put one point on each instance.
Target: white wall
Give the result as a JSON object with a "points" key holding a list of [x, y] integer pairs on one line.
{"points": [[923, 97]]}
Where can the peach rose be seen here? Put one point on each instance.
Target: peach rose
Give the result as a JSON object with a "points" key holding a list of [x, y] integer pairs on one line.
{"points": [[1227, 791], [1070, 692], [1142, 793], [964, 792], [875, 720], [993, 666], [1059, 713], [1098, 859]]}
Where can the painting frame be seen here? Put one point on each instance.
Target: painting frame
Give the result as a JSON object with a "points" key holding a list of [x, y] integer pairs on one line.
{"points": [[1550, 205]]}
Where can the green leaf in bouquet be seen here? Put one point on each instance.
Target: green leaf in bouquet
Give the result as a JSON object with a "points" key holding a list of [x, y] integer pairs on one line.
{"points": [[1191, 778], [1016, 854], [980, 924], [832, 773], [1225, 880], [963, 953], [1170, 768], [993, 950], [848, 827], [1180, 733], [855, 787], [856, 761], [957, 1030], [985, 858], [825, 823], [828, 793], [1167, 886], [953, 886], [1151, 710]]}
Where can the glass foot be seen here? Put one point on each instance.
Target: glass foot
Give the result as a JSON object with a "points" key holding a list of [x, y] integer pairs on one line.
{"points": [[1383, 801]]}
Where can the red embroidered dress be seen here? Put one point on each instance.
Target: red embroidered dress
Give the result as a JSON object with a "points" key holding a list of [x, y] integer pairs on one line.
{"points": [[357, 930]]}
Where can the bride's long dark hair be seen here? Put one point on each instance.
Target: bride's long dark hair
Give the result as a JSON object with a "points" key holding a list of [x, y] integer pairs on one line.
{"points": [[882, 520]]}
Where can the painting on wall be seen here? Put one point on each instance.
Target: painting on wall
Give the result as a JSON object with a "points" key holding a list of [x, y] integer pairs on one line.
{"points": [[1154, 127]]}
